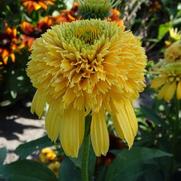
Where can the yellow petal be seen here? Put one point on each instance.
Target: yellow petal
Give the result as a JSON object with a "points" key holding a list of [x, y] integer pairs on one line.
{"points": [[167, 91], [53, 121], [124, 121], [99, 133], [38, 104], [131, 116], [72, 131], [179, 90], [68, 97], [158, 82]]}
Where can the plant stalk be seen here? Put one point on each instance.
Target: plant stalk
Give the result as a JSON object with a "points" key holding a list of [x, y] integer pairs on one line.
{"points": [[85, 150]]}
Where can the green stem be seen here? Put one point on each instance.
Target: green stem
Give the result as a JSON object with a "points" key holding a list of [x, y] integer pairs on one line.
{"points": [[85, 150]]}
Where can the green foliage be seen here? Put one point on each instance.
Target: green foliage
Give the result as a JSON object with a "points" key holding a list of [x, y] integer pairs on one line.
{"points": [[16, 84], [3, 153], [69, 171], [28, 148], [27, 170], [134, 164], [163, 29]]}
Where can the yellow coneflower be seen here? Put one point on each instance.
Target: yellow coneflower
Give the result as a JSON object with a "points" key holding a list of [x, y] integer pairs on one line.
{"points": [[87, 66], [168, 81], [173, 53], [32, 5], [175, 34]]}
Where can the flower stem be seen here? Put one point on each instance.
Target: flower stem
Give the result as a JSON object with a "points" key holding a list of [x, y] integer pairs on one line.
{"points": [[85, 150]]}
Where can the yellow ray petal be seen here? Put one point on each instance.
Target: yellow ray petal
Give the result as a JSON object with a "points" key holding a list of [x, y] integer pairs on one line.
{"points": [[72, 131], [38, 104], [122, 121], [53, 121], [131, 116], [158, 82], [179, 90], [99, 133], [169, 91]]}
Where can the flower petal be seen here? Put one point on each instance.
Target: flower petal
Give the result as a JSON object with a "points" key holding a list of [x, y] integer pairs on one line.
{"points": [[72, 131], [158, 82], [179, 90], [124, 121], [99, 133], [53, 121], [38, 104], [167, 91]]}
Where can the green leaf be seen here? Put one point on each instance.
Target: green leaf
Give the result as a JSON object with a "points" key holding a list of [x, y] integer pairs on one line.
{"points": [[3, 153], [28, 148], [27, 170], [68, 171], [150, 114], [163, 29], [130, 165]]}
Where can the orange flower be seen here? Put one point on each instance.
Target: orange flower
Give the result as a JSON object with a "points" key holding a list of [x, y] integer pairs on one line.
{"points": [[31, 32], [32, 5], [9, 43], [115, 16], [28, 33], [68, 15], [45, 23]]}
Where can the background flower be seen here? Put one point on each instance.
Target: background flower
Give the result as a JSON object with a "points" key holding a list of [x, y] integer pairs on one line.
{"points": [[168, 81], [9, 44], [173, 53], [34, 5]]}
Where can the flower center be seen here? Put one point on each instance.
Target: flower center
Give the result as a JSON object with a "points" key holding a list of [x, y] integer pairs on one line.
{"points": [[88, 34]]}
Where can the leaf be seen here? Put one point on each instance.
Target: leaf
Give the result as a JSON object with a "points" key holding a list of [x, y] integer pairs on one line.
{"points": [[27, 170], [28, 148], [68, 171], [101, 173], [3, 153], [150, 114], [130, 165], [163, 29]]}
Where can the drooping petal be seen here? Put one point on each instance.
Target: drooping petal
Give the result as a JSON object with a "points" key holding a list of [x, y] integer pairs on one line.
{"points": [[71, 129], [124, 121], [131, 116], [99, 133], [53, 121], [170, 91], [38, 104], [179, 90]]}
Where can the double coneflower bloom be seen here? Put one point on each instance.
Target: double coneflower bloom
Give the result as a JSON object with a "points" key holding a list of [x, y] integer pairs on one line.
{"points": [[87, 67], [168, 74]]}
